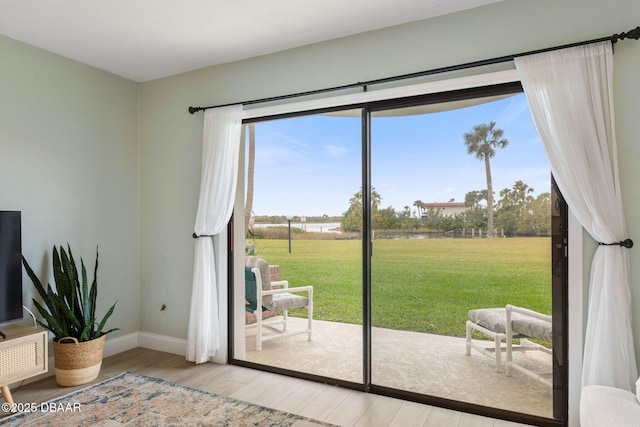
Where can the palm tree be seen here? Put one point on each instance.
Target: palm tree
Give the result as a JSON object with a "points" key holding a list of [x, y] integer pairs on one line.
{"points": [[482, 142], [420, 205], [376, 199], [473, 199], [356, 199], [352, 218]]}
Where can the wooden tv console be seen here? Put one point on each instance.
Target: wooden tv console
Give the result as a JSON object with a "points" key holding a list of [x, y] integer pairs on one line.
{"points": [[22, 355]]}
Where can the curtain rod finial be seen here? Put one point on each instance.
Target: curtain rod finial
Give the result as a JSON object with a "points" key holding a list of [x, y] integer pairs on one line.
{"points": [[194, 109], [632, 34]]}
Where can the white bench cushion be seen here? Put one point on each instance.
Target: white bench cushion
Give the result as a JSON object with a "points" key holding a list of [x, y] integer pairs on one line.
{"points": [[495, 320]]}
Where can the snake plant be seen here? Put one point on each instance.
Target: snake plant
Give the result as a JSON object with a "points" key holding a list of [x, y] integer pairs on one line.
{"points": [[70, 309]]}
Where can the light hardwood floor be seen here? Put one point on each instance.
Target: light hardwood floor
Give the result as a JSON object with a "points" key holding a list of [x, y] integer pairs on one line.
{"points": [[331, 404]]}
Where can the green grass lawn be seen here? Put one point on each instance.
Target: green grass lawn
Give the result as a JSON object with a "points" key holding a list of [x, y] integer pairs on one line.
{"points": [[418, 285]]}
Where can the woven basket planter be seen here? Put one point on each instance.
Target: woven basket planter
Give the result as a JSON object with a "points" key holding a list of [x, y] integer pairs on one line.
{"points": [[77, 362]]}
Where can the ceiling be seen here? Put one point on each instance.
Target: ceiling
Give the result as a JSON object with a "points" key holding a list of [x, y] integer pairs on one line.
{"points": [[147, 39]]}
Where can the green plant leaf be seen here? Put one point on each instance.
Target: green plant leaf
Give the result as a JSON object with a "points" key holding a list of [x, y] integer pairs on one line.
{"points": [[85, 335], [104, 320], [94, 289], [71, 271], [34, 279], [64, 287], [84, 296], [70, 308], [46, 327], [52, 323], [105, 333], [71, 317], [52, 303], [92, 299]]}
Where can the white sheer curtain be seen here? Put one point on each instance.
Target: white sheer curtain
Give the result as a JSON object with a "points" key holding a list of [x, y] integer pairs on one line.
{"points": [[570, 94], [220, 148]]}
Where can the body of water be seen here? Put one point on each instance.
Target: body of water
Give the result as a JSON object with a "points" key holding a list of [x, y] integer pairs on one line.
{"points": [[315, 227]]}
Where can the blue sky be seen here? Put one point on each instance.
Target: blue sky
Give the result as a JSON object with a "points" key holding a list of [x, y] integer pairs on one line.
{"points": [[312, 165]]}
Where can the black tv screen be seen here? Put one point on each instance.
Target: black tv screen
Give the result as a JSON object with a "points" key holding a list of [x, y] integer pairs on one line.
{"points": [[10, 266]]}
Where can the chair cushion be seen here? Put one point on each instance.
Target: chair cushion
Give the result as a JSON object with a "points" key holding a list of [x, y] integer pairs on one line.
{"points": [[265, 275], [531, 327], [495, 320], [250, 291], [288, 302]]}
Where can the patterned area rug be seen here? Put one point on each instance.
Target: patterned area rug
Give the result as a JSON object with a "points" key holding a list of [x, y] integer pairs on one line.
{"points": [[136, 400]]}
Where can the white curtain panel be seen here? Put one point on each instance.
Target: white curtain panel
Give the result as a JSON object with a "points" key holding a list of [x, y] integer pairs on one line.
{"points": [[220, 148], [570, 95]]}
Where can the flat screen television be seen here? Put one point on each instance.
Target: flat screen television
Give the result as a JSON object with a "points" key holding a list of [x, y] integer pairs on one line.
{"points": [[10, 266]]}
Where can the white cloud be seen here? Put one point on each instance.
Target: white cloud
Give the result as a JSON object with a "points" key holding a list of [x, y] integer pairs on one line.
{"points": [[334, 151], [513, 112]]}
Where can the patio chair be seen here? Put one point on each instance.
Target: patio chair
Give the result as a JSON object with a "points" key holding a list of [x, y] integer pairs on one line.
{"points": [[262, 294], [249, 317], [506, 324], [490, 322], [524, 323]]}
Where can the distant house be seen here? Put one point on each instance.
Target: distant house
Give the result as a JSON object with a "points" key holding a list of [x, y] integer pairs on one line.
{"points": [[445, 208]]}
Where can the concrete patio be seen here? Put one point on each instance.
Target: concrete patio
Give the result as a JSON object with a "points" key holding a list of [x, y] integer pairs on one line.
{"points": [[435, 365]]}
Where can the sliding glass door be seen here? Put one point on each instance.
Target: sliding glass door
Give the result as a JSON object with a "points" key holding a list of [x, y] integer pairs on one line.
{"points": [[443, 246], [303, 216], [410, 218]]}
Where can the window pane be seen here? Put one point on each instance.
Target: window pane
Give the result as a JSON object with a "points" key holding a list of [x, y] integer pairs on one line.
{"points": [[435, 255], [306, 173]]}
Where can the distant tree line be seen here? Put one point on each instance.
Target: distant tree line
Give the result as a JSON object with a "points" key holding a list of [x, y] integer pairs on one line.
{"points": [[517, 212], [282, 219]]}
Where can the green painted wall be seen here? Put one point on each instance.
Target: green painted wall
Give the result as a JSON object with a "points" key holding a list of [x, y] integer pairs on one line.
{"points": [[69, 162], [170, 138], [94, 159]]}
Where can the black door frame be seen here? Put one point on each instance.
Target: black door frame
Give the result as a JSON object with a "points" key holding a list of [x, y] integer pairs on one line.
{"points": [[559, 275]]}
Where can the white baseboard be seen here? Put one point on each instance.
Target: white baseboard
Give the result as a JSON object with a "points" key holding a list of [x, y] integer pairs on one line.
{"points": [[162, 343], [120, 344], [145, 340], [127, 342]]}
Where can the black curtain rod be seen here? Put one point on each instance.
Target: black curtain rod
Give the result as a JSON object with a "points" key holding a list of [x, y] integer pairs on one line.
{"points": [[632, 34]]}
